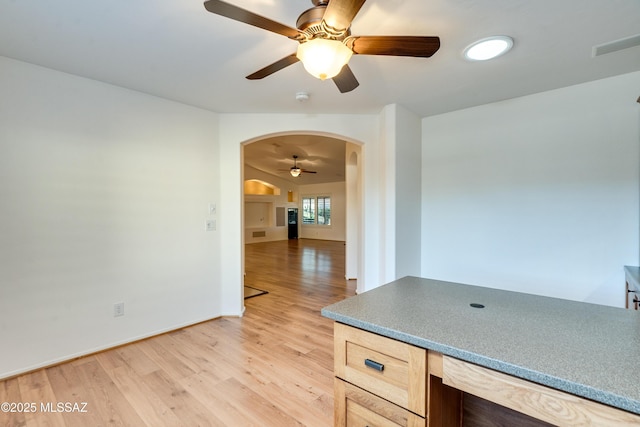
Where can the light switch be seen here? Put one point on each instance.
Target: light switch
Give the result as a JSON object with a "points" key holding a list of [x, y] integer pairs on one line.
{"points": [[210, 225], [212, 208]]}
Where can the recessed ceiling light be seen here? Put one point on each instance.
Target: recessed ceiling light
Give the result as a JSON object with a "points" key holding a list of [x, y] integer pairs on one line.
{"points": [[488, 48]]}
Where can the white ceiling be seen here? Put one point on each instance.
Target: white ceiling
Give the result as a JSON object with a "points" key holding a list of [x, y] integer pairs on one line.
{"points": [[321, 154], [179, 51]]}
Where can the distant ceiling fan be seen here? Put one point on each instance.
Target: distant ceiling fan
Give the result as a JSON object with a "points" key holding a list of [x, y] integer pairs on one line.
{"points": [[295, 171], [326, 43]]}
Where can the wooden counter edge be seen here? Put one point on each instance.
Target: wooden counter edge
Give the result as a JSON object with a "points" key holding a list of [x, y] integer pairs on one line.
{"points": [[540, 402]]}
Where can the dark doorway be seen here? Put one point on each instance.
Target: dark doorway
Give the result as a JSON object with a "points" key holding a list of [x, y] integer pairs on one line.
{"points": [[292, 219]]}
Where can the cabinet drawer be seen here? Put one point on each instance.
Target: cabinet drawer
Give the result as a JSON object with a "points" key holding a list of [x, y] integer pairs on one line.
{"points": [[391, 369], [355, 407]]}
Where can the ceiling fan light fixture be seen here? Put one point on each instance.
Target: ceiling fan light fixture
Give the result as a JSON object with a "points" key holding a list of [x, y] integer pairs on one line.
{"points": [[323, 58], [488, 48], [295, 172]]}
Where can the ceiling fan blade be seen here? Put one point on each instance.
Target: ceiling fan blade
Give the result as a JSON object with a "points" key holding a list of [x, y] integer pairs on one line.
{"points": [[276, 66], [417, 46], [238, 14], [307, 171], [340, 13], [345, 80]]}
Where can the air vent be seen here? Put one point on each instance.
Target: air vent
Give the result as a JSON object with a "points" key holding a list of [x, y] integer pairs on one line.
{"points": [[616, 45], [258, 234]]}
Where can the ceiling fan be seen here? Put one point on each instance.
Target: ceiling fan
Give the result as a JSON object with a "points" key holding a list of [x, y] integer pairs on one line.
{"points": [[295, 171], [326, 43]]}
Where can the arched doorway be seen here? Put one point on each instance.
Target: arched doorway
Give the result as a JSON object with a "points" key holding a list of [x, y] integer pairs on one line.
{"points": [[269, 158]]}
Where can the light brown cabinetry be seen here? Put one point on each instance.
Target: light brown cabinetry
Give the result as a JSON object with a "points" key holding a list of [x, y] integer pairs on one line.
{"points": [[357, 407], [391, 369], [536, 401], [383, 382]]}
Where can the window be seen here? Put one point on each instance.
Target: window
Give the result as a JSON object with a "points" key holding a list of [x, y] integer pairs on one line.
{"points": [[316, 210], [308, 210], [324, 210]]}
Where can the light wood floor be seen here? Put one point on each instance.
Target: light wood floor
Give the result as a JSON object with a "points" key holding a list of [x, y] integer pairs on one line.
{"points": [[272, 367]]}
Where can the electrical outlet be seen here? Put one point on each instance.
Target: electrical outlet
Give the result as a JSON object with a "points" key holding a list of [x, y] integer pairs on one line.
{"points": [[118, 309]]}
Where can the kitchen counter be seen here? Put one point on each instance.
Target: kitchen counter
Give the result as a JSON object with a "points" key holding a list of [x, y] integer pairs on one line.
{"points": [[584, 349]]}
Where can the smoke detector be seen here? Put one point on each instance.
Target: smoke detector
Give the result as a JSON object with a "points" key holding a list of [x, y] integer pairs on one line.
{"points": [[302, 96]]}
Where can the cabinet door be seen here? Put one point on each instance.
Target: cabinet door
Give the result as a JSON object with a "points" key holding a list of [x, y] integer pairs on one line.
{"points": [[355, 407]]}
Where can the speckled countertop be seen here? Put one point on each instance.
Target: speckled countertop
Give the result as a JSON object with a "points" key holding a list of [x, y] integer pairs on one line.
{"points": [[584, 349]]}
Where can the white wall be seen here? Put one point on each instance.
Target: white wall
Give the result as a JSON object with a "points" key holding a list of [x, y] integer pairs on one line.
{"points": [[538, 194], [258, 214], [335, 231], [408, 165], [103, 199], [401, 181], [387, 185]]}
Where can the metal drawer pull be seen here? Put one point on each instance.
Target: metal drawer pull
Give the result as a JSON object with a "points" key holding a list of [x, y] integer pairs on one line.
{"points": [[373, 364]]}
